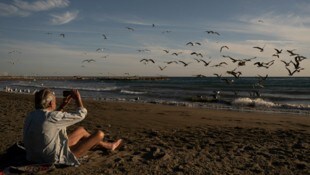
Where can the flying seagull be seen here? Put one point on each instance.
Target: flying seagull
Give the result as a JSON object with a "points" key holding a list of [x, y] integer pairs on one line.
{"points": [[130, 29], [185, 64], [261, 49], [162, 68], [147, 60], [278, 51], [212, 32], [167, 51], [89, 60], [223, 48]]}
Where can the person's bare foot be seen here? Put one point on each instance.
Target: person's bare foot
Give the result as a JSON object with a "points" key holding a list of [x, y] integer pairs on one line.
{"points": [[116, 144]]}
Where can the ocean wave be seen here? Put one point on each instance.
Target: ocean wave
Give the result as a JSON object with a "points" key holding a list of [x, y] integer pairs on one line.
{"points": [[257, 102], [132, 92]]}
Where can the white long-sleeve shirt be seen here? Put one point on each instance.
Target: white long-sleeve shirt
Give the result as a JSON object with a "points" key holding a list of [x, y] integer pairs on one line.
{"points": [[45, 136]]}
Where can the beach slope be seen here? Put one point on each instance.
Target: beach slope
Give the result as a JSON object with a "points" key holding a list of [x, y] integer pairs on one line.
{"points": [[161, 139]]}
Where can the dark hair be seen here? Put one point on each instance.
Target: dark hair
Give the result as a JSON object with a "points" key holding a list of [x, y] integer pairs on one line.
{"points": [[43, 98]]}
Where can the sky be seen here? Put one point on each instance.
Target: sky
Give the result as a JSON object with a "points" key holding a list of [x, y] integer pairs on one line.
{"points": [[57, 37]]}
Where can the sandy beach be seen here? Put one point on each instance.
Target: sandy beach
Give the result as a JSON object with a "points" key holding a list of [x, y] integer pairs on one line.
{"points": [[162, 139]]}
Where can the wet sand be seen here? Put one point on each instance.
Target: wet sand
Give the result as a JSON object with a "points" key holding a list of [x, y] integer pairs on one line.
{"points": [[161, 139]]}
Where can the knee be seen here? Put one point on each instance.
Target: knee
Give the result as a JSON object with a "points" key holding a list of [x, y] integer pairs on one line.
{"points": [[80, 128], [99, 134]]}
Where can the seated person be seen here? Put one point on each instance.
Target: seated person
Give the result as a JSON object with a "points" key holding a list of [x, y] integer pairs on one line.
{"points": [[45, 131]]}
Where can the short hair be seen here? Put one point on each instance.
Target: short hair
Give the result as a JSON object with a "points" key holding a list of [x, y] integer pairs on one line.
{"points": [[43, 98]]}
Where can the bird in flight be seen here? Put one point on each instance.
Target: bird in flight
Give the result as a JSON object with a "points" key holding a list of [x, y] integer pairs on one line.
{"points": [[167, 51], [130, 29], [261, 49], [205, 63], [223, 48], [220, 64], [169, 62], [234, 73], [286, 63], [193, 43], [143, 50], [291, 73], [185, 64], [217, 75], [197, 54], [276, 55], [176, 54], [278, 51], [104, 36], [144, 60], [265, 65], [89, 60], [292, 52], [162, 68], [62, 35], [212, 32]]}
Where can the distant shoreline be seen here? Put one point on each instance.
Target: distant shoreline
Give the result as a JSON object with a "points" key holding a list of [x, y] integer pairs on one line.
{"points": [[31, 78]]}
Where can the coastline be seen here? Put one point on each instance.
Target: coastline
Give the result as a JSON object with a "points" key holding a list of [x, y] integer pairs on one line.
{"points": [[164, 139], [32, 78]]}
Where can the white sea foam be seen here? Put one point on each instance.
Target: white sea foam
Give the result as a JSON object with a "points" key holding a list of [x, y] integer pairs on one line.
{"points": [[257, 102], [132, 92]]}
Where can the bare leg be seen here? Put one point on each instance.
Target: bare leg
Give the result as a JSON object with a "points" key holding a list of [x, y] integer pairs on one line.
{"points": [[80, 141]]}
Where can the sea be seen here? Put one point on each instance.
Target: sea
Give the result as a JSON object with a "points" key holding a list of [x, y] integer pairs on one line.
{"points": [[272, 95]]}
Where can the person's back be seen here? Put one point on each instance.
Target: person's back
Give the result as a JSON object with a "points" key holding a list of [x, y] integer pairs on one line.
{"points": [[36, 139]]}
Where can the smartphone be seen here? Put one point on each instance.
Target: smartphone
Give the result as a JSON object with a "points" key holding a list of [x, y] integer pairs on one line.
{"points": [[66, 93]]}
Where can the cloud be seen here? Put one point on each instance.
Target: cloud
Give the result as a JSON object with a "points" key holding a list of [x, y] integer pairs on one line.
{"points": [[41, 5], [24, 9], [11, 10], [64, 18]]}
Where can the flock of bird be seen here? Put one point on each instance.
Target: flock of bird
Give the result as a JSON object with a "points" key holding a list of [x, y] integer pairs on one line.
{"points": [[293, 66]]}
